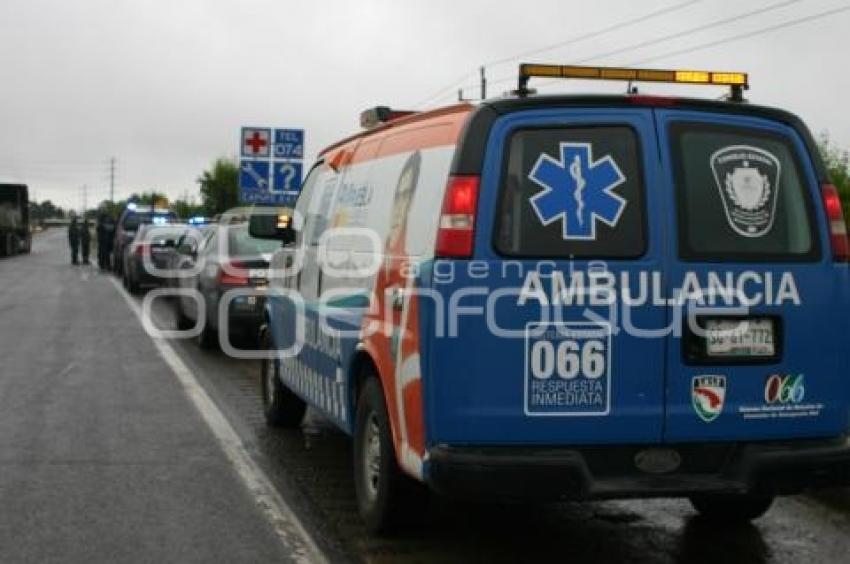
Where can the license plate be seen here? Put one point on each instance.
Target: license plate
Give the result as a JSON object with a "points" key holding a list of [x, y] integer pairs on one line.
{"points": [[740, 337]]}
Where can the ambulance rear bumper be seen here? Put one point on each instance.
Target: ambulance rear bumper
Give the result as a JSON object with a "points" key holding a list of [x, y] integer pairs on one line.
{"points": [[501, 473]]}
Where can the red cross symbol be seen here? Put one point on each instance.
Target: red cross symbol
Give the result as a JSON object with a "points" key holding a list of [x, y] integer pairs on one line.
{"points": [[257, 142]]}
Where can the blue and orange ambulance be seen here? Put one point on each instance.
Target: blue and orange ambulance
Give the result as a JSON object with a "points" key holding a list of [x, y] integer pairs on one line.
{"points": [[570, 297]]}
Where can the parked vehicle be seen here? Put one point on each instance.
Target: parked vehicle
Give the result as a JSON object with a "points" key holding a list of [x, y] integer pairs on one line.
{"points": [[576, 297], [128, 223], [229, 258], [147, 259], [15, 234], [189, 240]]}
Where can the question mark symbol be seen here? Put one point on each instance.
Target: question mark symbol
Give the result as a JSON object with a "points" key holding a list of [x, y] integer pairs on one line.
{"points": [[288, 172]]}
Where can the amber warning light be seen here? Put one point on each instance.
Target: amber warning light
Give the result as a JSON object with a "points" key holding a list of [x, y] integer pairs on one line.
{"points": [[737, 81]]}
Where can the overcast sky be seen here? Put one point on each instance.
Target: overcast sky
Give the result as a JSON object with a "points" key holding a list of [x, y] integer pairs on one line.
{"points": [[165, 85]]}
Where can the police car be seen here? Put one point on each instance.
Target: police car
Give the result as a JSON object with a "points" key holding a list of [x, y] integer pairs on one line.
{"points": [[570, 297]]}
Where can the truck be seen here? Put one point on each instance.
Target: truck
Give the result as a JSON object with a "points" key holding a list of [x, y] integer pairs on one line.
{"points": [[15, 234]]}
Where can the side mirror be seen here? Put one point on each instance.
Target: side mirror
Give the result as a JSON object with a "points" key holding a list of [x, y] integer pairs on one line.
{"points": [[272, 226]]}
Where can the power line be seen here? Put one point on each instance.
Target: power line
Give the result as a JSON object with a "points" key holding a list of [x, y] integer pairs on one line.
{"points": [[663, 11], [112, 179], [740, 36], [592, 34], [696, 29], [737, 37]]}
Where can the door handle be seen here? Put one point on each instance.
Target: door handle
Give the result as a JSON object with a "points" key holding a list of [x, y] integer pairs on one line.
{"points": [[397, 297]]}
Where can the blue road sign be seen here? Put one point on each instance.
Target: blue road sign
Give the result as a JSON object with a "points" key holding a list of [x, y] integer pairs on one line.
{"points": [[288, 144], [253, 179], [286, 177]]}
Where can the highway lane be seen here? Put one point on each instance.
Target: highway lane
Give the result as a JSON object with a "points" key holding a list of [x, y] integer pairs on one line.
{"points": [[311, 468], [102, 457]]}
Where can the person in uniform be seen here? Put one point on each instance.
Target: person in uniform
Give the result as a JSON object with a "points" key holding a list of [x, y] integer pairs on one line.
{"points": [[85, 240], [105, 237], [74, 240]]}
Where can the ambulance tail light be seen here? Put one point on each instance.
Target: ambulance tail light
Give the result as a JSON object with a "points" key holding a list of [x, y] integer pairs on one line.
{"points": [[837, 227], [457, 220], [234, 273]]}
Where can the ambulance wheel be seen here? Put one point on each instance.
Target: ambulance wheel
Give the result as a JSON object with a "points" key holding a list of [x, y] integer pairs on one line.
{"points": [[281, 406], [732, 508], [133, 286], [208, 337], [386, 497], [183, 321]]}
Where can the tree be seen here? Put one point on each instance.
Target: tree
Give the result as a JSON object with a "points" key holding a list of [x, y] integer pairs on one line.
{"points": [[220, 186], [45, 210], [186, 209], [112, 209], [837, 163]]}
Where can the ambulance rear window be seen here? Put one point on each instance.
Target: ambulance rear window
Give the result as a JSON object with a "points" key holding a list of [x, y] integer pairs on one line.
{"points": [[741, 195], [572, 192]]}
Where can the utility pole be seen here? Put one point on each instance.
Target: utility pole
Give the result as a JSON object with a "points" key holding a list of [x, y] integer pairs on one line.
{"points": [[483, 85], [112, 180]]}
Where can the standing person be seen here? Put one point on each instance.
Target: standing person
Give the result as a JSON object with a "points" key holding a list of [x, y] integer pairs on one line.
{"points": [[105, 235], [85, 240], [74, 240]]}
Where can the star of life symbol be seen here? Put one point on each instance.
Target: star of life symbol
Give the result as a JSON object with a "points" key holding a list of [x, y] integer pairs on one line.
{"points": [[577, 190]]}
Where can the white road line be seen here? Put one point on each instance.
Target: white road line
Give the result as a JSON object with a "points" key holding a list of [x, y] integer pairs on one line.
{"points": [[289, 529]]}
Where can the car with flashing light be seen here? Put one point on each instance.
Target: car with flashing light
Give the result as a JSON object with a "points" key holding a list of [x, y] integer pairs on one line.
{"points": [[570, 297], [227, 263], [133, 216]]}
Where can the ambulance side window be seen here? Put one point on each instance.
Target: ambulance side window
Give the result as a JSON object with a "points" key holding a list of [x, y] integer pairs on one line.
{"points": [[321, 206]]}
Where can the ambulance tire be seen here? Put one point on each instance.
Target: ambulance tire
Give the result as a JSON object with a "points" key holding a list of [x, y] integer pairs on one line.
{"points": [[732, 508], [133, 285], [208, 337], [386, 497], [281, 407], [183, 321]]}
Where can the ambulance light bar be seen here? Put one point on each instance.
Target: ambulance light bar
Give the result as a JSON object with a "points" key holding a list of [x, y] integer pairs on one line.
{"points": [[374, 117], [737, 81]]}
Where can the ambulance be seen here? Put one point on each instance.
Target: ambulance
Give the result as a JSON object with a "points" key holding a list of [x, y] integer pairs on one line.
{"points": [[571, 297]]}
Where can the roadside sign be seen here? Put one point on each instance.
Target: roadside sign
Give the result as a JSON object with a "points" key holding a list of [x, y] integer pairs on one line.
{"points": [[270, 167], [288, 144], [286, 177], [254, 176], [256, 142]]}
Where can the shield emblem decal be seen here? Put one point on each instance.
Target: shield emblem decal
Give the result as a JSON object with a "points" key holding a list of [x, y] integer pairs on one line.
{"points": [[708, 395], [748, 180]]}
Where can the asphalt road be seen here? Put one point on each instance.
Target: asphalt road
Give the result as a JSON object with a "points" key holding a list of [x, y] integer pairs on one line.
{"points": [[102, 457]]}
